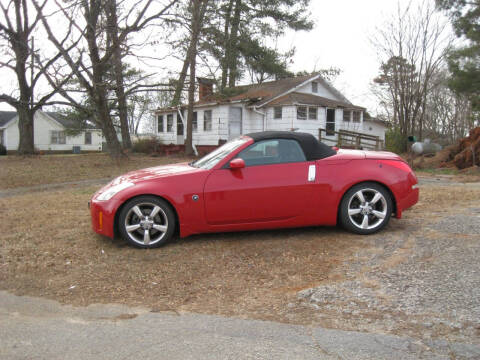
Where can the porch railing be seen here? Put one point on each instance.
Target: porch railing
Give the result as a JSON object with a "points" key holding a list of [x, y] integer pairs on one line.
{"points": [[351, 139]]}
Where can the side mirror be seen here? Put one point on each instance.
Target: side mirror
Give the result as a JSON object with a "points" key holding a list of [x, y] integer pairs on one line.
{"points": [[237, 164]]}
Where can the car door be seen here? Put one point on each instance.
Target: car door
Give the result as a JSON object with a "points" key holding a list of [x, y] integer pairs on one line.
{"points": [[275, 185]]}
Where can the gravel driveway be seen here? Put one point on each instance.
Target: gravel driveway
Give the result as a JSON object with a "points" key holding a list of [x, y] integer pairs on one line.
{"points": [[421, 278]]}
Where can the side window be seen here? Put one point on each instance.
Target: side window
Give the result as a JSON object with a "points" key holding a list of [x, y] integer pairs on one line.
{"points": [[269, 152]]}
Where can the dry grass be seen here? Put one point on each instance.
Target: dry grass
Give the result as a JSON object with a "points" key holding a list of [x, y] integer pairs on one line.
{"points": [[50, 251], [16, 171]]}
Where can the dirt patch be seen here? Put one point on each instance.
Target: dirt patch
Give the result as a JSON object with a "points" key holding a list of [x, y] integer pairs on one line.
{"points": [[17, 171]]}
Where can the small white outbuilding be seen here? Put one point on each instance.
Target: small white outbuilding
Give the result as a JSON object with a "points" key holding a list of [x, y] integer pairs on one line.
{"points": [[51, 131]]}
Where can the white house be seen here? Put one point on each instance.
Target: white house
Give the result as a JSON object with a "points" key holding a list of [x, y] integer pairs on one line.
{"points": [[374, 126], [303, 103], [50, 132]]}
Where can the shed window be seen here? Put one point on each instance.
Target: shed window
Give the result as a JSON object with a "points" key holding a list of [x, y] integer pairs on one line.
{"points": [[207, 120], [170, 123], [2, 142], [314, 87], [347, 115], [277, 112], [88, 138], [57, 137], [356, 116], [160, 124], [312, 113], [301, 112]]}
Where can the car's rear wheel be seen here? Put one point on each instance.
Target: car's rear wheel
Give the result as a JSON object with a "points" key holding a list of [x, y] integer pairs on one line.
{"points": [[366, 208], [147, 222]]}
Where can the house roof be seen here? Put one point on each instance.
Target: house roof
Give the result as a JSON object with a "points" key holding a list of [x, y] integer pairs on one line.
{"points": [[308, 99], [269, 92], [67, 122], [6, 116]]}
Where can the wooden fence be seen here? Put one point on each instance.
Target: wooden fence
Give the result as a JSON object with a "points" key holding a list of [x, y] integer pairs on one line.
{"points": [[352, 139]]}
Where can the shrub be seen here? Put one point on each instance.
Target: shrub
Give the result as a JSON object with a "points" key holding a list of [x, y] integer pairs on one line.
{"points": [[395, 141], [146, 146], [3, 150]]}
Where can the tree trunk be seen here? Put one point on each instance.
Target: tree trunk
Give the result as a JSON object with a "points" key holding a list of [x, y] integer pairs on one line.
{"points": [[226, 36], [196, 25], [232, 48], [118, 70], [25, 128]]}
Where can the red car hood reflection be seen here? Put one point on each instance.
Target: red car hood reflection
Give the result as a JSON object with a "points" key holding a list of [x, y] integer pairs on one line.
{"points": [[155, 173]]}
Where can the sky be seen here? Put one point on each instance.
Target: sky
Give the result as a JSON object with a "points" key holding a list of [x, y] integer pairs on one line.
{"points": [[341, 38]]}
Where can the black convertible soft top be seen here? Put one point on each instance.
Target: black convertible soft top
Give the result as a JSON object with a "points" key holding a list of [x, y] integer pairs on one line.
{"points": [[313, 149]]}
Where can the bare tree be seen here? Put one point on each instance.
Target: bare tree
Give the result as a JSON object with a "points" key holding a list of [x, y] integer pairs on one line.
{"points": [[412, 46], [18, 23], [118, 69], [90, 63]]}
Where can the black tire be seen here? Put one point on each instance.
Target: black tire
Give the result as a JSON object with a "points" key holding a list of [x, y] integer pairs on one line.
{"points": [[160, 227], [366, 217]]}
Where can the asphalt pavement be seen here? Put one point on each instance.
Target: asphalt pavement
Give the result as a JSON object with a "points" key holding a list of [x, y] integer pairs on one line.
{"points": [[33, 328]]}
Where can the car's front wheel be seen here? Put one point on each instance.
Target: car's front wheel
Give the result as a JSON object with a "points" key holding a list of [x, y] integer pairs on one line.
{"points": [[366, 208], [146, 222]]}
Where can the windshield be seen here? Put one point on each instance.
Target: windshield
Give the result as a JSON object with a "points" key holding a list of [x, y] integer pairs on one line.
{"points": [[212, 159]]}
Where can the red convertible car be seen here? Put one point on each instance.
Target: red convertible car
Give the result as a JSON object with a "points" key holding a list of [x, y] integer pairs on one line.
{"points": [[262, 180]]}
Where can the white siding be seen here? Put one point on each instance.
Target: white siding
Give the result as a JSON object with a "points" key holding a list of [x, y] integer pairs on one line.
{"points": [[11, 135], [374, 128], [251, 122], [322, 91], [43, 125]]}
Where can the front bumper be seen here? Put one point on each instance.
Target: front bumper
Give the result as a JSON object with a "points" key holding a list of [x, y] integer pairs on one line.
{"points": [[103, 216]]}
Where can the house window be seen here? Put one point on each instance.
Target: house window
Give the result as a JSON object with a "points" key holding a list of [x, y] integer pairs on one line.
{"points": [[356, 116], [88, 138], [1, 138], [312, 113], [277, 112], [57, 137], [301, 112], [314, 87], [170, 123], [195, 122], [207, 120], [347, 115], [160, 123]]}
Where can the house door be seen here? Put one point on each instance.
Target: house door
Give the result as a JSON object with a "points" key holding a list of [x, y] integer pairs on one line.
{"points": [[235, 122], [180, 131], [330, 125]]}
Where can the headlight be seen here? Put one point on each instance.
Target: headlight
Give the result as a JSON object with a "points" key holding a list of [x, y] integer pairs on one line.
{"points": [[112, 191]]}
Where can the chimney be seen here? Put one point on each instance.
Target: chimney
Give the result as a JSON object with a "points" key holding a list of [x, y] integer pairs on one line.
{"points": [[205, 88]]}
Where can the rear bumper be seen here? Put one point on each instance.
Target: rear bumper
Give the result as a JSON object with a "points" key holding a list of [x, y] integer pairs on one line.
{"points": [[103, 216], [407, 202]]}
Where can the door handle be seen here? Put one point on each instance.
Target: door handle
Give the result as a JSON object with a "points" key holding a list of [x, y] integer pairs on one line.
{"points": [[312, 170]]}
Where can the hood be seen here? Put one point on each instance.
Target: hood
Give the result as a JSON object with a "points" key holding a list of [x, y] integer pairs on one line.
{"points": [[156, 173]]}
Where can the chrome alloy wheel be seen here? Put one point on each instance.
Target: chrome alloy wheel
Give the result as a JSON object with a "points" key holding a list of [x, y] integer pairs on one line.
{"points": [[367, 208], [146, 223]]}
